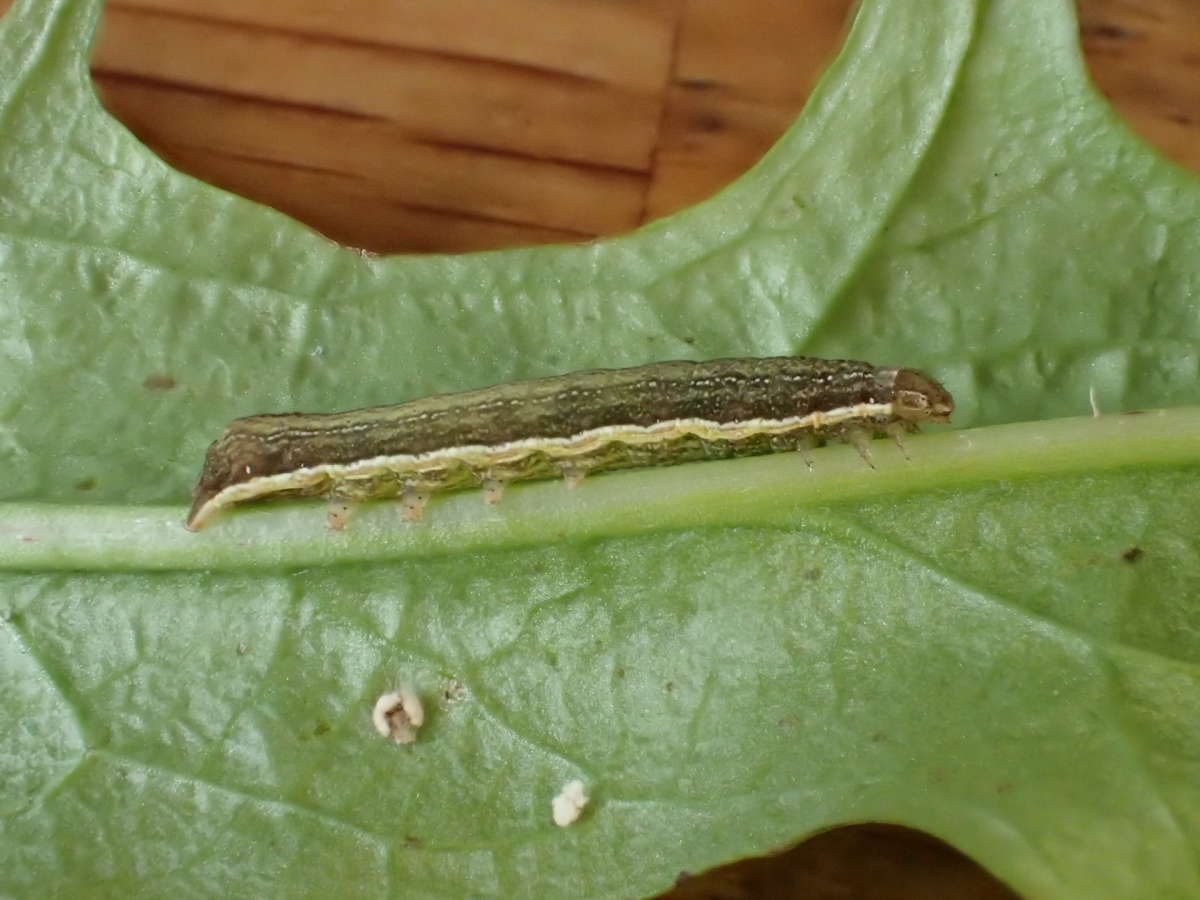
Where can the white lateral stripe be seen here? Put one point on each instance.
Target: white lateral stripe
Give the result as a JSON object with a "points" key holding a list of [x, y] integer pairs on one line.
{"points": [[480, 456]]}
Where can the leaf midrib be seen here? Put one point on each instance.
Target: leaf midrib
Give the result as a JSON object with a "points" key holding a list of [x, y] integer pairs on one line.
{"points": [[761, 490]]}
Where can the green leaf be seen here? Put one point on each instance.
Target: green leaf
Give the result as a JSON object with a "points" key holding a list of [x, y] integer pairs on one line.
{"points": [[996, 641]]}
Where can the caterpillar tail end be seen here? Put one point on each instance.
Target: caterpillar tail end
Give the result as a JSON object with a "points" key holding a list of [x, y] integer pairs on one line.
{"points": [[202, 510]]}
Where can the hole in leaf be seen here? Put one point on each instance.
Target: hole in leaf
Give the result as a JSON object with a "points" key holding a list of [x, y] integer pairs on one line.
{"points": [[469, 128], [1142, 56], [866, 862]]}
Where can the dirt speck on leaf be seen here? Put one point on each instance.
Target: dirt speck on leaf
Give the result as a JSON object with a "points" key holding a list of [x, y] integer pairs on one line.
{"points": [[159, 382]]}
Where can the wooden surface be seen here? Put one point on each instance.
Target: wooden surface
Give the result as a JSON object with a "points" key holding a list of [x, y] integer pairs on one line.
{"points": [[455, 125], [459, 125]]}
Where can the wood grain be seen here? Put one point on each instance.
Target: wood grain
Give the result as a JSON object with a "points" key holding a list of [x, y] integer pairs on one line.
{"points": [[440, 97]]}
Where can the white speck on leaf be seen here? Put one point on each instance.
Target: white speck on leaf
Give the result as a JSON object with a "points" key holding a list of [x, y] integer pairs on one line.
{"points": [[455, 691], [569, 803], [398, 715]]}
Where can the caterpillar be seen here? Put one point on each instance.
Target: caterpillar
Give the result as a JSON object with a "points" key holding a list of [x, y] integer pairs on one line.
{"points": [[563, 426]]}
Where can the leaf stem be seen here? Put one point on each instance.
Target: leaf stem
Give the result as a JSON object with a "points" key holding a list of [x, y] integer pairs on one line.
{"points": [[760, 490]]}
